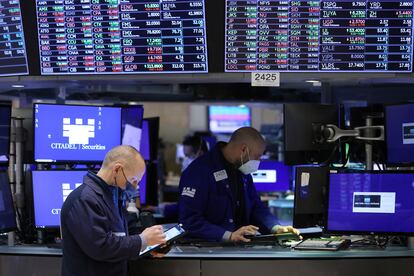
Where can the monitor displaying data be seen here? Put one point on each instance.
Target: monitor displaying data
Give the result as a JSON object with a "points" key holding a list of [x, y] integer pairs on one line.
{"points": [[227, 119], [75, 133], [371, 202], [272, 176], [122, 36], [325, 36], [13, 59]]}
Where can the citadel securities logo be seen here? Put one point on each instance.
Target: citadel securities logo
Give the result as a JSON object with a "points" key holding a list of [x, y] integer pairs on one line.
{"points": [[66, 190], [79, 135]]}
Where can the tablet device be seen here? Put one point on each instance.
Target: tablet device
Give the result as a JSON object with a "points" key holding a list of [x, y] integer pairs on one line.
{"points": [[171, 234]]}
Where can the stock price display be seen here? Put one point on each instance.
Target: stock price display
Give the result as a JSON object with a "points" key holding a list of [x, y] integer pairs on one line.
{"points": [[13, 59], [122, 36], [324, 36]]}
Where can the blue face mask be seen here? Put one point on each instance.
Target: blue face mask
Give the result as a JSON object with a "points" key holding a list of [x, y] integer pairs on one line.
{"points": [[130, 191]]}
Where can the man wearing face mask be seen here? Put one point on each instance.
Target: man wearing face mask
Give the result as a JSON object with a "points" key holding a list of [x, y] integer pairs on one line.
{"points": [[193, 147], [218, 200], [94, 230]]}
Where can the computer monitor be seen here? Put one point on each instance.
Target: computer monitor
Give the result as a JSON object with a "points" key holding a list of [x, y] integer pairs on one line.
{"points": [[399, 132], [272, 176], [50, 190], [5, 119], [311, 187], [7, 212], [227, 119], [149, 138], [131, 126], [301, 122], [371, 202], [75, 133]]}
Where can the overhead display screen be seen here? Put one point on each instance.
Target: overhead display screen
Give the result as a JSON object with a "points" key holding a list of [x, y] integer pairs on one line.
{"points": [[324, 36], [13, 59], [122, 36]]}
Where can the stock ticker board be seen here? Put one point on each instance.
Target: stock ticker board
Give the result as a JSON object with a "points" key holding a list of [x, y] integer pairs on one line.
{"points": [[13, 60], [319, 36], [122, 36]]}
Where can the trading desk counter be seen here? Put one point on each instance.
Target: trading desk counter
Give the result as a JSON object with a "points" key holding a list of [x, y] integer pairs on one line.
{"points": [[214, 261]]}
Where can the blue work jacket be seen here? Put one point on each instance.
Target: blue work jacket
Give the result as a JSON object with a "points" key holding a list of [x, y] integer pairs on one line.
{"points": [[94, 232], [207, 204]]}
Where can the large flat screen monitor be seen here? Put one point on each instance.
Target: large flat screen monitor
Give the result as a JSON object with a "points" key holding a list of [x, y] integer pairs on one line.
{"points": [[272, 176], [75, 133], [122, 37], [132, 125], [227, 119], [318, 36], [7, 213], [5, 120], [300, 138], [399, 129], [371, 202]]}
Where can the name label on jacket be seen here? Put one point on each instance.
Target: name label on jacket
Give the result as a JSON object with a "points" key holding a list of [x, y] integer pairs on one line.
{"points": [[220, 175]]}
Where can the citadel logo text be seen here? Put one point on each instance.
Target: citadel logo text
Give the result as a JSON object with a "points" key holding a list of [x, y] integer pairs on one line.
{"points": [[67, 146]]}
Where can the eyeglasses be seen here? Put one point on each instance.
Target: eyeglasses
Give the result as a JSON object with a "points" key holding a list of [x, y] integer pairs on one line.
{"points": [[134, 180]]}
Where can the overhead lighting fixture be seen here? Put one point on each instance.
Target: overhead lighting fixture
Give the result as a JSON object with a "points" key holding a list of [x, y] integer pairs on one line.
{"points": [[18, 86]]}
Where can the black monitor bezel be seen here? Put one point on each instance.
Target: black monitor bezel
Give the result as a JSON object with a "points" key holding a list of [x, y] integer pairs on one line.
{"points": [[153, 136], [71, 162], [362, 232]]}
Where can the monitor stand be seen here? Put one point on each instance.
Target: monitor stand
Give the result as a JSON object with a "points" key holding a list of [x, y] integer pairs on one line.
{"points": [[410, 243], [10, 239]]}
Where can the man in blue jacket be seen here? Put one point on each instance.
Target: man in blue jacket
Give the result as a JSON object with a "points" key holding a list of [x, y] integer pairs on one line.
{"points": [[218, 199], [94, 230]]}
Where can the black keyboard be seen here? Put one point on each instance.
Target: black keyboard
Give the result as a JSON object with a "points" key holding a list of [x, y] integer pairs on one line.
{"points": [[323, 244]]}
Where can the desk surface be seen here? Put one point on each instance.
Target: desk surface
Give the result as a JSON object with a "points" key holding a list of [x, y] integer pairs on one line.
{"points": [[255, 252]]}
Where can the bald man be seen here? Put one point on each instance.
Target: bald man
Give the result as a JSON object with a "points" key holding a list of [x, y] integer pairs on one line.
{"points": [[94, 229], [218, 200]]}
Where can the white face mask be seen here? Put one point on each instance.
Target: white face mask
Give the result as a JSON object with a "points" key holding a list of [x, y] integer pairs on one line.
{"points": [[250, 166], [186, 162]]}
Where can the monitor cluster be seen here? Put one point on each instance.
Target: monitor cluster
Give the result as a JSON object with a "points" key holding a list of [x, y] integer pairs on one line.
{"points": [[192, 36]]}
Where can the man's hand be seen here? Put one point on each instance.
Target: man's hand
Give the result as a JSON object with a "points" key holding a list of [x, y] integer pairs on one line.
{"points": [[154, 235], [287, 229], [238, 235]]}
